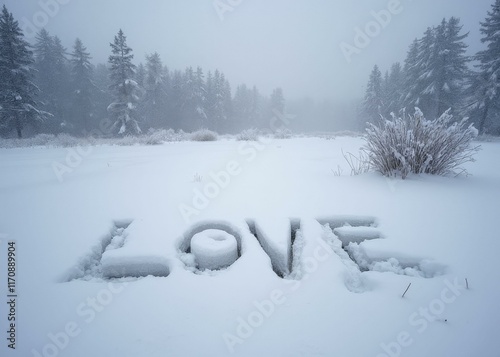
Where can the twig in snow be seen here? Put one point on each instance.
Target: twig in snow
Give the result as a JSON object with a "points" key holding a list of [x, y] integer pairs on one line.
{"points": [[406, 290], [467, 283]]}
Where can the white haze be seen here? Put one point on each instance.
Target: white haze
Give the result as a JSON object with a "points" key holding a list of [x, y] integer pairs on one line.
{"points": [[294, 44]]}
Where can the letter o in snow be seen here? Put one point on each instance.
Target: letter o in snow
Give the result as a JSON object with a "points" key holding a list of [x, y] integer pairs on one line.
{"points": [[214, 249]]}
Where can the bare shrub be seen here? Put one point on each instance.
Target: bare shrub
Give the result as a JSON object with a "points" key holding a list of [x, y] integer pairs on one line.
{"points": [[359, 164]]}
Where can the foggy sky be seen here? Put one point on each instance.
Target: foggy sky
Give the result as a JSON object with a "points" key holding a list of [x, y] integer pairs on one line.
{"points": [[295, 44]]}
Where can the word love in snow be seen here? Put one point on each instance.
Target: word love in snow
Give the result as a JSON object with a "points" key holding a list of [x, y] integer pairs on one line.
{"points": [[294, 247]]}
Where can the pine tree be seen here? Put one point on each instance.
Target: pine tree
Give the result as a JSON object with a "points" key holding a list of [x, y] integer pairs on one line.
{"points": [[140, 75], [17, 90], [193, 99], [393, 90], [436, 70], [217, 101], [175, 100], [373, 102], [103, 96], [410, 77], [420, 93], [52, 78], [447, 68], [227, 104], [277, 102], [83, 87], [255, 109], [484, 89], [125, 88], [155, 97], [242, 105]]}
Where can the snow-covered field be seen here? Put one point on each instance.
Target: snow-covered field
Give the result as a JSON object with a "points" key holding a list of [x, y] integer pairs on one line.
{"points": [[88, 222]]}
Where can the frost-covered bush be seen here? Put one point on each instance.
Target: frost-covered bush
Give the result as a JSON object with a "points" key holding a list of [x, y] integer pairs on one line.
{"points": [[283, 134], [248, 135], [413, 144], [42, 140], [158, 137], [66, 140], [204, 135]]}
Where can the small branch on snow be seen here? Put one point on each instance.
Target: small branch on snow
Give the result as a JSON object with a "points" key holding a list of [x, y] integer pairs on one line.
{"points": [[402, 296]]}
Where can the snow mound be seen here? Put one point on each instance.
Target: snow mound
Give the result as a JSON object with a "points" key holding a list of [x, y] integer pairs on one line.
{"points": [[214, 249]]}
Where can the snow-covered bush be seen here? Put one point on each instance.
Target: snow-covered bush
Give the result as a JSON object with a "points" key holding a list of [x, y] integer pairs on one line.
{"points": [[413, 144], [158, 137], [283, 134], [66, 140], [204, 135], [248, 135], [42, 140]]}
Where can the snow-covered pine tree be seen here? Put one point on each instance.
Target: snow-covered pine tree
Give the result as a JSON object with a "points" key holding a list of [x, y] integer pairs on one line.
{"points": [[484, 89], [175, 100], [277, 102], [53, 78], [140, 75], [373, 102], [227, 104], [200, 96], [448, 68], [102, 99], [393, 90], [83, 88], [125, 89], [18, 106], [154, 102], [410, 76], [216, 101], [420, 92], [242, 105], [256, 109]]}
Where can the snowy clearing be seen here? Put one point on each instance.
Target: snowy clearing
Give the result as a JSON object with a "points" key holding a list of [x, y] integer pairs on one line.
{"points": [[319, 262]]}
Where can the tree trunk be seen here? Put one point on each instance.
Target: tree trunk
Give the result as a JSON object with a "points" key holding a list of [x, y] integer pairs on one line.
{"points": [[482, 121], [19, 127]]}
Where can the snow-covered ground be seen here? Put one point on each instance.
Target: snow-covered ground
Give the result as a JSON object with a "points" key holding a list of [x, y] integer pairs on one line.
{"points": [[89, 224]]}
